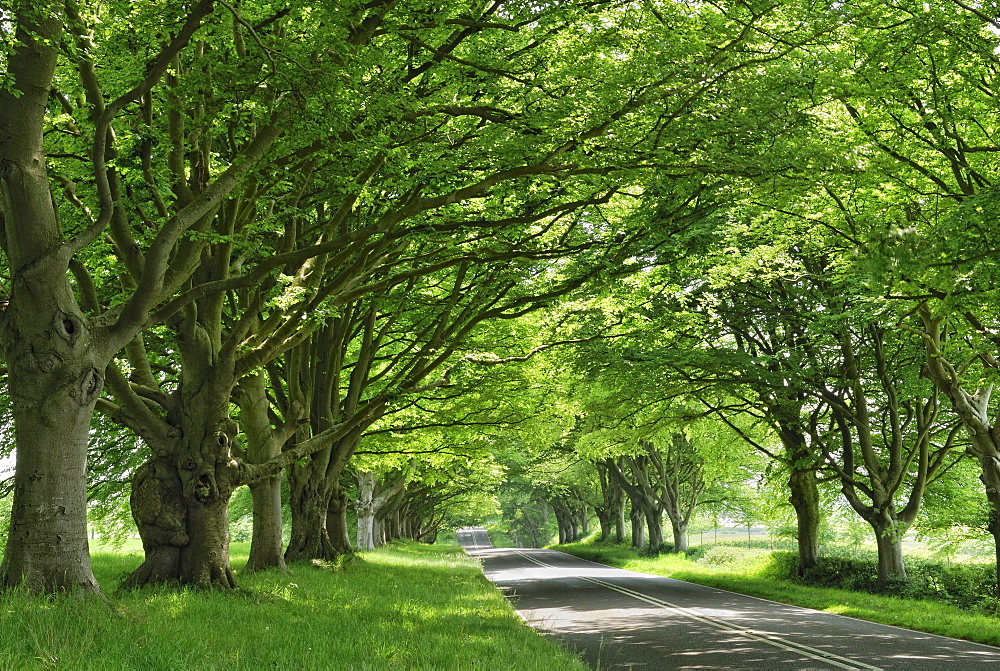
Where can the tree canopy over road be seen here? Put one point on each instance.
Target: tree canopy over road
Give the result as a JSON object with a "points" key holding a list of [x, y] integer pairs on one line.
{"points": [[393, 264]]}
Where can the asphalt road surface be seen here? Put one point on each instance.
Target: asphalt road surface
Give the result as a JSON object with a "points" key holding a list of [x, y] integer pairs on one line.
{"points": [[619, 619]]}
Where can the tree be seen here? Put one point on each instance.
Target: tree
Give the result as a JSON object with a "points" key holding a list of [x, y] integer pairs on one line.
{"points": [[371, 504], [243, 177], [930, 164], [892, 444], [611, 510], [57, 354]]}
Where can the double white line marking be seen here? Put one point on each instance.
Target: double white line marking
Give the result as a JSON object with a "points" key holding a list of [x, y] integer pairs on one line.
{"points": [[763, 637]]}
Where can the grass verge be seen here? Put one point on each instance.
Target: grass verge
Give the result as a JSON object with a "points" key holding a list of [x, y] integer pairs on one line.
{"points": [[747, 573], [406, 606]]}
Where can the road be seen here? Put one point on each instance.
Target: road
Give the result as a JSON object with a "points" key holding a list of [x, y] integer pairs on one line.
{"points": [[619, 619]]}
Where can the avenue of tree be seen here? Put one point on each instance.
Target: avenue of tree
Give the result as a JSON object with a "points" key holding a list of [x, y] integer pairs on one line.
{"points": [[394, 265]]}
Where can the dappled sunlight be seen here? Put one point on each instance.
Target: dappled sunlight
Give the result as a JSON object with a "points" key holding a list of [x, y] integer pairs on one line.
{"points": [[413, 607]]}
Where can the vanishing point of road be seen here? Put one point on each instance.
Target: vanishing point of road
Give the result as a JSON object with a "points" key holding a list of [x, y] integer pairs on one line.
{"points": [[619, 619]]}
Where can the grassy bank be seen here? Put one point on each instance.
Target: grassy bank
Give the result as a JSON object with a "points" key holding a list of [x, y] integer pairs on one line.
{"points": [[751, 572], [408, 606]]}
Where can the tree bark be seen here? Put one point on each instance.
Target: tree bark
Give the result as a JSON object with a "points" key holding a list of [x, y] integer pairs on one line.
{"points": [[803, 491], [336, 522], [990, 477], [679, 529], [890, 553], [610, 513], [310, 506], [805, 500], [180, 502], [365, 508], [654, 522], [54, 355], [47, 542], [263, 443], [266, 544], [605, 520], [638, 526]]}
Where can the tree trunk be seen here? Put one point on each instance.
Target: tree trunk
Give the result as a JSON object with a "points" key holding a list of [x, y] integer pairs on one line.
{"points": [[204, 562], [47, 541], [263, 443], [310, 506], [679, 528], [654, 522], [181, 506], [890, 553], [560, 525], [605, 519], [365, 507], [336, 522], [990, 477], [638, 526], [55, 357], [620, 524], [805, 500], [266, 545]]}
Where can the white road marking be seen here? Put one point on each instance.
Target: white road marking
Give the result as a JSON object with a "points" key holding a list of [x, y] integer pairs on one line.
{"points": [[763, 637]]}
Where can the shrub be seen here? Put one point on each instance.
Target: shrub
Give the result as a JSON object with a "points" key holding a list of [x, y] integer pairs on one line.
{"points": [[650, 551], [696, 553], [732, 557], [965, 585]]}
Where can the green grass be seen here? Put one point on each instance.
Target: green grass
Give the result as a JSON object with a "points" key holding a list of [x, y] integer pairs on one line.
{"points": [[749, 575], [407, 606]]}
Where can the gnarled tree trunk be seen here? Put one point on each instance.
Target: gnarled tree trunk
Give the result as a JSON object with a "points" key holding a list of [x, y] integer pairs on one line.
{"points": [[180, 502], [310, 506], [336, 521]]}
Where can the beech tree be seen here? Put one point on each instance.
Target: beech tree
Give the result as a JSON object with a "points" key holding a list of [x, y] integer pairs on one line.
{"points": [[891, 443], [919, 215], [611, 509], [224, 90], [211, 192], [736, 345], [58, 354], [372, 504]]}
